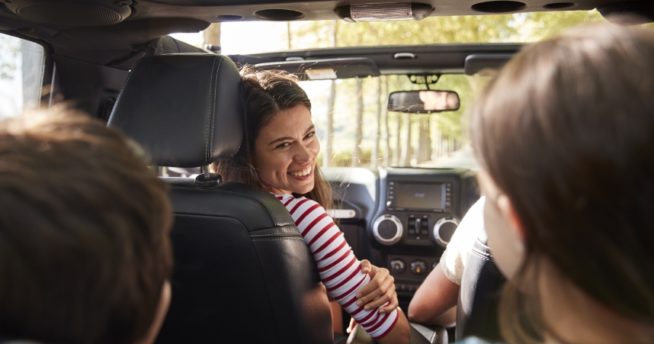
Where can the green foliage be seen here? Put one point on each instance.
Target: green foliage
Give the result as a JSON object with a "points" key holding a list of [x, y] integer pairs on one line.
{"points": [[343, 158], [521, 27]]}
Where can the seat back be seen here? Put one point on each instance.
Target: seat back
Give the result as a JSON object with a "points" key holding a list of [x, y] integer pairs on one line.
{"points": [[479, 295], [242, 272]]}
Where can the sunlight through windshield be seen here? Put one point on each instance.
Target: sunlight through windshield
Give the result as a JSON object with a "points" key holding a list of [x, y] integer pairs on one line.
{"points": [[256, 37], [353, 124]]}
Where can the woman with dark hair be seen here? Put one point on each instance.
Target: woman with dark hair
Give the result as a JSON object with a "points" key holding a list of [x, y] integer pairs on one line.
{"points": [[565, 138], [279, 155]]}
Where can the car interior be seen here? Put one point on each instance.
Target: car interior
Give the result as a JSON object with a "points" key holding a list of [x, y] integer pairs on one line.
{"points": [[242, 271]]}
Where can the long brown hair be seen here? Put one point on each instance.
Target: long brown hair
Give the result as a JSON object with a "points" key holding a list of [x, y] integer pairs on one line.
{"points": [[266, 93], [566, 131]]}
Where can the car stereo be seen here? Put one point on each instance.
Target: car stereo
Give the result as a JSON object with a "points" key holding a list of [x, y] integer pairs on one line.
{"points": [[434, 197]]}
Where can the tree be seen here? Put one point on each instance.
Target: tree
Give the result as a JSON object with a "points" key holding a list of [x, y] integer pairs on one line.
{"points": [[10, 76], [331, 103], [374, 160], [424, 139], [10, 58], [398, 140], [358, 138], [329, 141], [387, 138], [407, 150]]}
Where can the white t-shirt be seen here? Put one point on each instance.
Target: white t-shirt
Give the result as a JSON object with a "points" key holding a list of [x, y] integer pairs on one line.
{"points": [[455, 256]]}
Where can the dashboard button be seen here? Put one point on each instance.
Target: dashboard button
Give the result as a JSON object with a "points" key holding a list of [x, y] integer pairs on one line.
{"points": [[417, 224], [397, 266], [418, 267]]}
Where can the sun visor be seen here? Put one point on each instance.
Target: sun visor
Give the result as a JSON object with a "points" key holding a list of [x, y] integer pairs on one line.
{"points": [[475, 63], [325, 69]]}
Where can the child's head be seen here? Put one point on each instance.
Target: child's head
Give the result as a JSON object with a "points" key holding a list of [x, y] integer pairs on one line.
{"points": [[84, 248], [565, 137]]}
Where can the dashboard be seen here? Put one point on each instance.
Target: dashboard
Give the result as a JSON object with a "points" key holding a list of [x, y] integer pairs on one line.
{"points": [[401, 218]]}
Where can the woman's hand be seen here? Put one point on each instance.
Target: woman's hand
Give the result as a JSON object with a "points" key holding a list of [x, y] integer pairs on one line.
{"points": [[380, 291]]}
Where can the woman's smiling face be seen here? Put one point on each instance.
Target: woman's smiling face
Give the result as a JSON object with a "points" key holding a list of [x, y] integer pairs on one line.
{"points": [[286, 151]]}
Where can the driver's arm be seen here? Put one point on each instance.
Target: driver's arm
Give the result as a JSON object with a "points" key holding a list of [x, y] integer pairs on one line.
{"points": [[440, 290], [435, 296]]}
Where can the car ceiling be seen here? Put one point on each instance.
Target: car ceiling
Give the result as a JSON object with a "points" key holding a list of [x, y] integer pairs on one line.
{"points": [[95, 42], [106, 31]]}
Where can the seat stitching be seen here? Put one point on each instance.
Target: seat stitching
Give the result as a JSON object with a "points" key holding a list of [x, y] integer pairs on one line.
{"points": [[213, 118], [209, 135]]}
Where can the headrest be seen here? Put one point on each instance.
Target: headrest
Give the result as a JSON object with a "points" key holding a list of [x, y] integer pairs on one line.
{"points": [[184, 109]]}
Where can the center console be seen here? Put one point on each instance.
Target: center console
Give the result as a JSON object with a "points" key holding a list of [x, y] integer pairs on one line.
{"points": [[418, 211], [401, 218]]}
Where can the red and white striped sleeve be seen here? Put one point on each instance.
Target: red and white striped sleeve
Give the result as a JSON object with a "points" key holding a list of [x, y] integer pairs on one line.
{"points": [[339, 269]]}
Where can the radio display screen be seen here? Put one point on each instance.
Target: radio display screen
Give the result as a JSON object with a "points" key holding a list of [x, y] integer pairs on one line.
{"points": [[419, 196]]}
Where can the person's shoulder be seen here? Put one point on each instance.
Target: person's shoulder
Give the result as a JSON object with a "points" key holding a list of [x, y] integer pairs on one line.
{"points": [[308, 203], [473, 221], [284, 197], [295, 202]]}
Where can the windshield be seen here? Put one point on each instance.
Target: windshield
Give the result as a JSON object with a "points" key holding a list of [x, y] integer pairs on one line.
{"points": [[258, 37], [353, 124], [356, 129]]}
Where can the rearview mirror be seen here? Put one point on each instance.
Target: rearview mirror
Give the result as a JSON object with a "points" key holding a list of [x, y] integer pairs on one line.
{"points": [[425, 101]]}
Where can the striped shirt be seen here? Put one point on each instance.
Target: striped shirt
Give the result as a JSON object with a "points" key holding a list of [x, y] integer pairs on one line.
{"points": [[339, 269]]}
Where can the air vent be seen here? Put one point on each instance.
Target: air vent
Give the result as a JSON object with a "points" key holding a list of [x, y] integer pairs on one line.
{"points": [[498, 6], [70, 12], [279, 14]]}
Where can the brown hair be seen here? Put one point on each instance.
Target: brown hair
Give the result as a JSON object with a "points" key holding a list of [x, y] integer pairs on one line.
{"points": [[566, 131], [266, 93], [84, 247]]}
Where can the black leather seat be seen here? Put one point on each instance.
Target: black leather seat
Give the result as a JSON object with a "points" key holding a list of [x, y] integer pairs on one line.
{"points": [[242, 271], [479, 295]]}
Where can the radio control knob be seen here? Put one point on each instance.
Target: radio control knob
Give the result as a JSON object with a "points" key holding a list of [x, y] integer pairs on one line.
{"points": [[444, 229], [418, 267], [387, 229], [397, 266]]}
